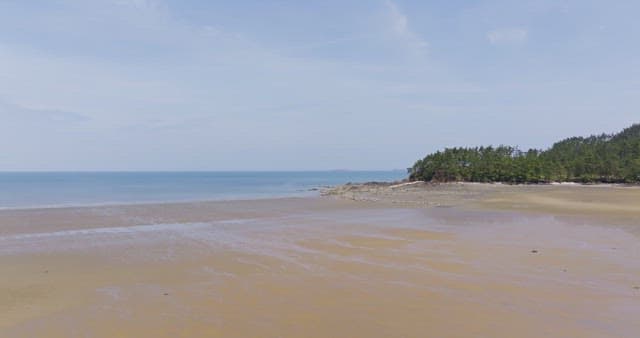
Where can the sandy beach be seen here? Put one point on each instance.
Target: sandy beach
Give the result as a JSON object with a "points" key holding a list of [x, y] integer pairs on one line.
{"points": [[456, 260]]}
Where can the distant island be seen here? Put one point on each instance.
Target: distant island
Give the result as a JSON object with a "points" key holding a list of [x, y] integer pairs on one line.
{"points": [[606, 158]]}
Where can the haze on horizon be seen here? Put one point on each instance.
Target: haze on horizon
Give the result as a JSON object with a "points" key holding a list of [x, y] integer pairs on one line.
{"points": [[290, 85]]}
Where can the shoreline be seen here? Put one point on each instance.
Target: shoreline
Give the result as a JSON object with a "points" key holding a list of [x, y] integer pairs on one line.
{"points": [[605, 203], [406, 182], [335, 190]]}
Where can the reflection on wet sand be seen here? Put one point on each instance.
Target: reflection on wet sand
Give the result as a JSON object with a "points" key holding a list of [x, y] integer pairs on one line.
{"points": [[315, 267]]}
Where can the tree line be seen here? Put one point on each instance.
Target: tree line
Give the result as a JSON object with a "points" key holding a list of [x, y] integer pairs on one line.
{"points": [[605, 158]]}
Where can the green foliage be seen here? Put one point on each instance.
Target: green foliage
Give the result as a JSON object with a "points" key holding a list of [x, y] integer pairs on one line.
{"points": [[602, 158]]}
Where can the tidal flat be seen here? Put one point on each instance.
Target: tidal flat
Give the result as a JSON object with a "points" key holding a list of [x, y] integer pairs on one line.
{"points": [[456, 260]]}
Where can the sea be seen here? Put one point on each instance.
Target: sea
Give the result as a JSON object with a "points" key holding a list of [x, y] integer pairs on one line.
{"points": [[25, 190]]}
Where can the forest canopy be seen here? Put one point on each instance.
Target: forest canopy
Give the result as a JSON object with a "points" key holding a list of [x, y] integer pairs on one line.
{"points": [[605, 158]]}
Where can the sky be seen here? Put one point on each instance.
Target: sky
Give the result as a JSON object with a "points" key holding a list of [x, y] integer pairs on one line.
{"points": [[302, 85]]}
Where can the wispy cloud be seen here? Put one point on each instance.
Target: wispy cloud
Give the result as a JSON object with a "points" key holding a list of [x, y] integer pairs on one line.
{"points": [[507, 36], [399, 24], [140, 4], [15, 112]]}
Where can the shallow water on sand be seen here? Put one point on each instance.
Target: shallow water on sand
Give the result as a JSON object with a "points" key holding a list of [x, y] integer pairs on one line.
{"points": [[313, 268], [56, 189]]}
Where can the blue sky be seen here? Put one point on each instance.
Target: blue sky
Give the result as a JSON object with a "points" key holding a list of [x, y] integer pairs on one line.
{"points": [[295, 85]]}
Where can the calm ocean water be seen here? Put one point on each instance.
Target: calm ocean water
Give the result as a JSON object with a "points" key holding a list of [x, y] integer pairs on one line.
{"points": [[27, 190]]}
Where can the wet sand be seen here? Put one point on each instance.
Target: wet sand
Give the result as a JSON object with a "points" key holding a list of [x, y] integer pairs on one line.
{"points": [[324, 267], [603, 204]]}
